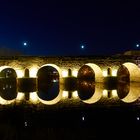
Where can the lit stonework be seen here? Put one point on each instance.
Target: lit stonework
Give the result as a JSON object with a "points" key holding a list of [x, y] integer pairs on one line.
{"points": [[122, 69]]}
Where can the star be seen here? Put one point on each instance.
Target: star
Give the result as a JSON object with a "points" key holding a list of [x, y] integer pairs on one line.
{"points": [[82, 46], [25, 43], [137, 45], [138, 118], [83, 118]]}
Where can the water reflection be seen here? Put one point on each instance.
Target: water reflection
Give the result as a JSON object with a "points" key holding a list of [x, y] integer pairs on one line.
{"points": [[133, 94], [48, 83], [89, 91], [8, 89], [123, 90], [85, 89], [48, 89]]}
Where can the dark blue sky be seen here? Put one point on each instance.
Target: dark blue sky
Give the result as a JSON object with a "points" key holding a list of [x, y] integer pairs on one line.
{"points": [[59, 27]]}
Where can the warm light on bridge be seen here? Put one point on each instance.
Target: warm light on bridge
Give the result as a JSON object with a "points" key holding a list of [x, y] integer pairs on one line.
{"points": [[20, 96], [53, 101], [75, 94], [6, 102], [20, 73], [105, 93], [114, 72], [64, 73], [75, 73], [65, 94], [33, 72], [105, 73], [4, 67], [114, 93], [33, 97]]}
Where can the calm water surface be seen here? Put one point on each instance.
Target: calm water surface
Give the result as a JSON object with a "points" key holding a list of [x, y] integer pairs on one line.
{"points": [[28, 122]]}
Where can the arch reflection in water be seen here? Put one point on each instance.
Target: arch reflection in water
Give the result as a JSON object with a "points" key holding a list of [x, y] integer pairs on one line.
{"points": [[89, 92], [123, 90], [129, 92], [8, 89], [48, 90], [48, 85]]}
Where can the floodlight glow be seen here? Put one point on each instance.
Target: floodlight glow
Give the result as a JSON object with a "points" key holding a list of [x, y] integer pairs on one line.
{"points": [[20, 73], [64, 73], [114, 72], [105, 93], [6, 102], [65, 94], [33, 72], [34, 97], [75, 73], [114, 93], [75, 94], [20, 96], [104, 73]]}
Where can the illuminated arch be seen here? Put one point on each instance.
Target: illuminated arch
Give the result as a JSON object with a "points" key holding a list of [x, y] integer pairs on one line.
{"points": [[8, 89], [8, 73], [96, 96], [8, 85], [19, 73], [5, 67], [97, 70], [133, 71], [52, 102], [134, 93], [54, 66], [123, 90], [6, 102]]}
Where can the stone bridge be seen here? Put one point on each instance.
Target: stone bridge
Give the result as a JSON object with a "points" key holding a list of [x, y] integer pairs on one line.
{"points": [[69, 66], [98, 69]]}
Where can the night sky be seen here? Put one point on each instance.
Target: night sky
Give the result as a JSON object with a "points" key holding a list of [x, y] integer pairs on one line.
{"points": [[69, 27]]}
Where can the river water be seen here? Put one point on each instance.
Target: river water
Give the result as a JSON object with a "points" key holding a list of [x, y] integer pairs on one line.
{"points": [[113, 113]]}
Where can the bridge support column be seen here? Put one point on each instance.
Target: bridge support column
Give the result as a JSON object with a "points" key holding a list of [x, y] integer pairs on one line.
{"points": [[69, 73], [27, 84]]}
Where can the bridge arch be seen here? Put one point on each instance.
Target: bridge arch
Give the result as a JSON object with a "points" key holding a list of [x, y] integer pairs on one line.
{"points": [[133, 93], [4, 67], [133, 71], [52, 102], [8, 84], [123, 74], [53, 66], [6, 102], [19, 72], [96, 96], [91, 71], [8, 73]]}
